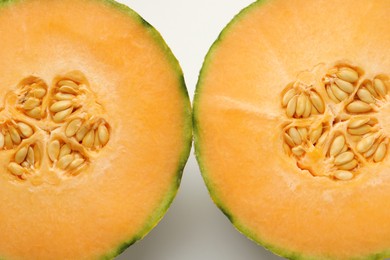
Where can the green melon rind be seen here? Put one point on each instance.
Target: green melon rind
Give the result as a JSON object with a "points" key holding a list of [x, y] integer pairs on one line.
{"points": [[171, 194], [187, 137], [277, 250], [166, 201]]}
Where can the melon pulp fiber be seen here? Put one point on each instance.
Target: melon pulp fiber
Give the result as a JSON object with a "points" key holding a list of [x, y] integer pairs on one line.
{"points": [[95, 128], [289, 190]]}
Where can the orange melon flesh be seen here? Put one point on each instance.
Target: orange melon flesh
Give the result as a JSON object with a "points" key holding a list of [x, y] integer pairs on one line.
{"points": [[130, 183], [238, 121]]}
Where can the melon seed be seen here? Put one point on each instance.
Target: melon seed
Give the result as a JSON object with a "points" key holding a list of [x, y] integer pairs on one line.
{"points": [[315, 134], [25, 164], [302, 132], [295, 136], [371, 151], [96, 139], [343, 158], [15, 169], [322, 138], [365, 96], [60, 116], [365, 144], [69, 83], [343, 175], [68, 90], [34, 113], [344, 85], [76, 163], [65, 161], [103, 134], [380, 87], [313, 109], [339, 94], [38, 92], [81, 133], [317, 102], [345, 148], [63, 96], [60, 105], [88, 140], [301, 104], [331, 95], [20, 155], [8, 141], [348, 166], [287, 97], [362, 130], [368, 85], [358, 107], [380, 152], [25, 129], [31, 103], [73, 127], [298, 151], [337, 145], [288, 140], [65, 149], [54, 150], [308, 106], [357, 122], [14, 135], [348, 74], [1, 140], [291, 106]]}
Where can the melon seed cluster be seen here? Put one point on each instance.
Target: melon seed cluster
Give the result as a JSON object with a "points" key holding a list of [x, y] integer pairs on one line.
{"points": [[26, 159], [31, 98], [341, 134], [63, 156], [13, 133], [302, 103], [90, 133], [54, 127]]}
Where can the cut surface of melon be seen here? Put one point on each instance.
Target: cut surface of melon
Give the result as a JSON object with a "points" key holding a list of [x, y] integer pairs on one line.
{"points": [[291, 119], [95, 128]]}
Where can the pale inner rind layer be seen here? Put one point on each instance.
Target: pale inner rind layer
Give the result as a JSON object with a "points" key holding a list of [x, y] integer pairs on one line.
{"points": [[239, 117], [124, 183]]}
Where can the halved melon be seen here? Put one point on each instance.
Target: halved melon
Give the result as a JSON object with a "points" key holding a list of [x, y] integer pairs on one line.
{"points": [[95, 128], [292, 117]]}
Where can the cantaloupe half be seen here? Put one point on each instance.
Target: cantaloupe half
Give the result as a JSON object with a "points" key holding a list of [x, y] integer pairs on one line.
{"points": [[95, 128], [292, 119]]}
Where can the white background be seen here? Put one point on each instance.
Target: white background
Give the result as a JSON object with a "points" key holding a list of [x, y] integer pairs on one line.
{"points": [[194, 228]]}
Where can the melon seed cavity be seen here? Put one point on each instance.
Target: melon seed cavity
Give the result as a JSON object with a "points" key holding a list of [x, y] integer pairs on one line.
{"points": [[57, 127], [331, 126]]}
